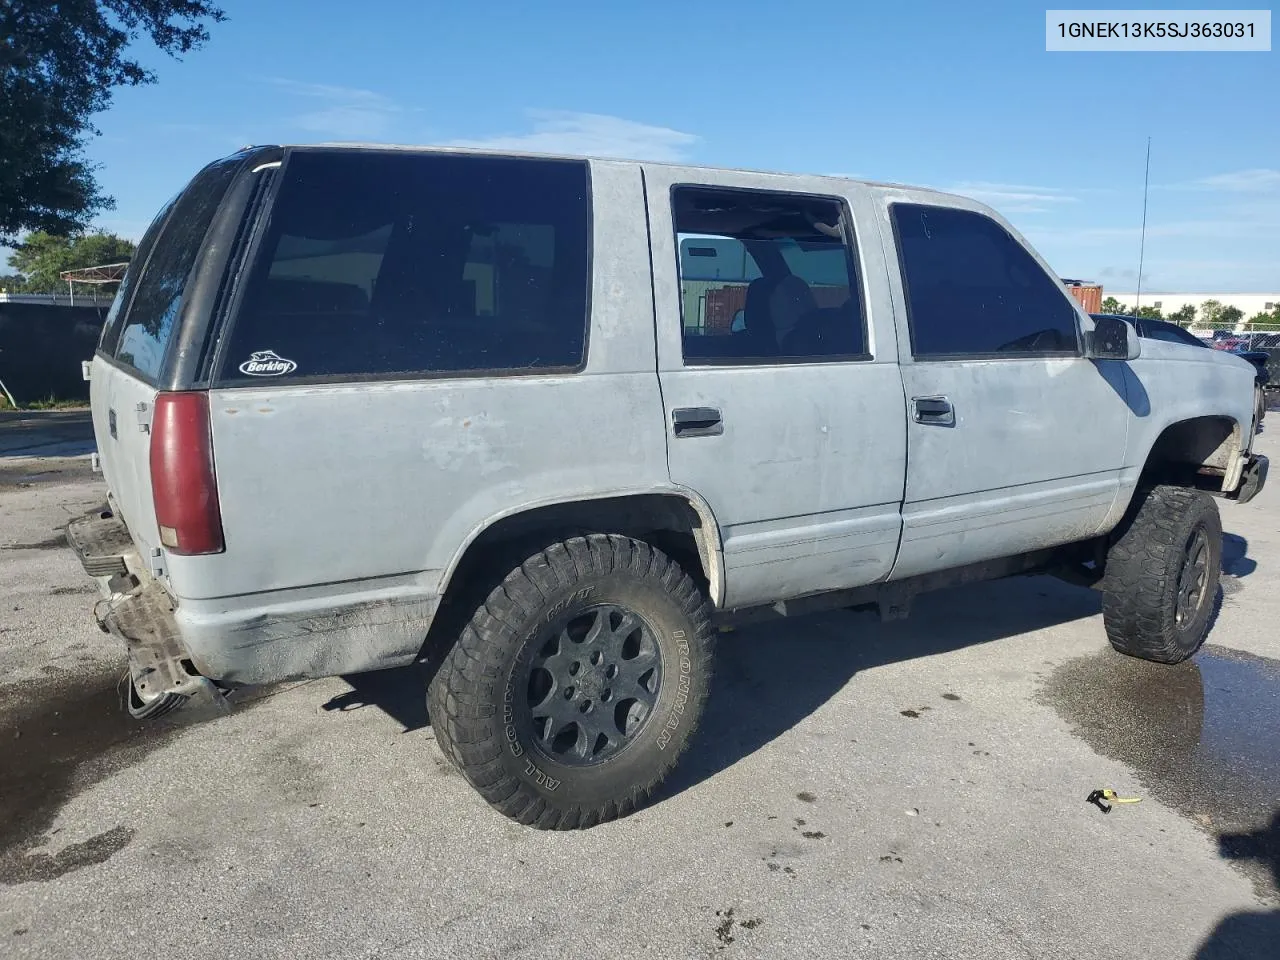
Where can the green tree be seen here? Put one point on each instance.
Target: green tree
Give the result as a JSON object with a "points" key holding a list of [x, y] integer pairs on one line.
{"points": [[1265, 321], [1209, 311], [1112, 305], [43, 256], [1151, 313], [1184, 316], [1229, 316], [59, 64]]}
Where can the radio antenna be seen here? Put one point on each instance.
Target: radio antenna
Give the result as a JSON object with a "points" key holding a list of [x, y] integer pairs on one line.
{"points": [[1142, 243]]}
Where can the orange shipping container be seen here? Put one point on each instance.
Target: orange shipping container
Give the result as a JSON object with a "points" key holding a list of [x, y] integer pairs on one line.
{"points": [[1089, 295]]}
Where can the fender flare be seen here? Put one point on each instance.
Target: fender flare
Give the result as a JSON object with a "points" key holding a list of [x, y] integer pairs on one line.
{"points": [[710, 547]]}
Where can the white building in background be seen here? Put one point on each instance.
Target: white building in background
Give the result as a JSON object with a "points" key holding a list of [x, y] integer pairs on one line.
{"points": [[1247, 303]]}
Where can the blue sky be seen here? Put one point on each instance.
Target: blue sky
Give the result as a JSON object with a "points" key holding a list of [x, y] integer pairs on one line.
{"points": [[940, 94]]}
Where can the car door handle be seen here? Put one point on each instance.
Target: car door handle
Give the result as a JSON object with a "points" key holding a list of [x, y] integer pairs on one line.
{"points": [[697, 422], [934, 410]]}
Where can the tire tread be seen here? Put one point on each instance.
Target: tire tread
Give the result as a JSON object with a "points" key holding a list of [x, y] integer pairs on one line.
{"points": [[458, 697], [1142, 567]]}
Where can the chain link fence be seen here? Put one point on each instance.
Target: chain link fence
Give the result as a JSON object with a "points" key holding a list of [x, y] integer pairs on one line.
{"points": [[1267, 342]]}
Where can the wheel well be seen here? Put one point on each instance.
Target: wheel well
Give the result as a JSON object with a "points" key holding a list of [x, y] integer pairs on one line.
{"points": [[1193, 453], [667, 521]]}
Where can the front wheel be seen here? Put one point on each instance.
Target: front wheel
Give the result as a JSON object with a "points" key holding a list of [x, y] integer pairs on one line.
{"points": [[578, 682], [1162, 575]]}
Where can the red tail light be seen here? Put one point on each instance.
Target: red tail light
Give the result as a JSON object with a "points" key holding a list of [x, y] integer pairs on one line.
{"points": [[183, 483]]}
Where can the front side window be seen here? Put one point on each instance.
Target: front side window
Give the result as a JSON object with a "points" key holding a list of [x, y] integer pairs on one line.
{"points": [[157, 295], [973, 291], [378, 263], [766, 277]]}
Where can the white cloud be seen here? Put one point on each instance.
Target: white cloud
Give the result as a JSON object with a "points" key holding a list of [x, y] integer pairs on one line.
{"points": [[1013, 197], [592, 134], [1245, 181], [1256, 180], [1194, 229], [347, 113]]}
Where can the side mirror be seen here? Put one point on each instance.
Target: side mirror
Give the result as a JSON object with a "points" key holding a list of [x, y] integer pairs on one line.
{"points": [[1113, 339]]}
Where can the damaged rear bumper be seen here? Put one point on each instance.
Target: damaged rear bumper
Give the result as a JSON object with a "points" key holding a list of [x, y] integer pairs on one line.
{"points": [[135, 608], [194, 647]]}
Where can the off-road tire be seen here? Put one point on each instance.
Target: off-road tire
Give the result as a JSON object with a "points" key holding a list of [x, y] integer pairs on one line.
{"points": [[479, 699], [1144, 575]]}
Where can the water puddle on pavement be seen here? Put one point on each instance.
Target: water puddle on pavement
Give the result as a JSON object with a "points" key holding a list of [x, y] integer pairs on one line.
{"points": [[1202, 736], [59, 739], [55, 741]]}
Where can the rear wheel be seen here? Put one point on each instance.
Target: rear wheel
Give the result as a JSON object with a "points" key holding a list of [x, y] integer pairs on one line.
{"points": [[1162, 575], [578, 682]]}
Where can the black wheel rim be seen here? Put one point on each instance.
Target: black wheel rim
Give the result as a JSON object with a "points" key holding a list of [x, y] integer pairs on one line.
{"points": [[593, 685], [1193, 581]]}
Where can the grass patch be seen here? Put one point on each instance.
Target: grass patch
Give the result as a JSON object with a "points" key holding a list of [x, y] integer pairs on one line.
{"points": [[48, 403], [52, 403]]}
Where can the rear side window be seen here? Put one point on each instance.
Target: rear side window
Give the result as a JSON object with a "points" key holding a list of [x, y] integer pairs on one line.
{"points": [[384, 263], [156, 298], [115, 316], [973, 291], [766, 278]]}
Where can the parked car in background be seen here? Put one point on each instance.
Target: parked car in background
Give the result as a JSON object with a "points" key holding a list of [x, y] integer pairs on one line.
{"points": [[1152, 329], [1259, 358], [1242, 347]]}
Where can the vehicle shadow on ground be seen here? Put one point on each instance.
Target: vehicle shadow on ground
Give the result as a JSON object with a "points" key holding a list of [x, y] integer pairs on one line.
{"points": [[1248, 933], [401, 694], [772, 675], [1235, 556]]}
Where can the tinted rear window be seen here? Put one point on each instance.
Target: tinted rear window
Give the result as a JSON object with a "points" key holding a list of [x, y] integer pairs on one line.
{"points": [[157, 298], [111, 328], [378, 263]]}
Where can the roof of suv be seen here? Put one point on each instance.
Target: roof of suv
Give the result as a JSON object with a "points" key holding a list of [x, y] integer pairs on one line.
{"points": [[491, 152]]}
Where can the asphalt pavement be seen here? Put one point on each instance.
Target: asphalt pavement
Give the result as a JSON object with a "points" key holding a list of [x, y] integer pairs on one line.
{"points": [[910, 789]]}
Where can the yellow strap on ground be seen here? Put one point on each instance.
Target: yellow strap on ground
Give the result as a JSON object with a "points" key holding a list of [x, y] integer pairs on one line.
{"points": [[1114, 798]]}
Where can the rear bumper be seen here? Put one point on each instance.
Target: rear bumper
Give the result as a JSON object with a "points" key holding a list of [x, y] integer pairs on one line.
{"points": [[178, 646], [1252, 479], [252, 640], [136, 609]]}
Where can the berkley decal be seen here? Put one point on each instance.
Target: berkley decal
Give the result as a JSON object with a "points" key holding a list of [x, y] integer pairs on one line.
{"points": [[267, 363]]}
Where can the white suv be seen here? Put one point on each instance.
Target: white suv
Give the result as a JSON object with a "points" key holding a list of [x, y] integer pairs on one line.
{"points": [[361, 405]]}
